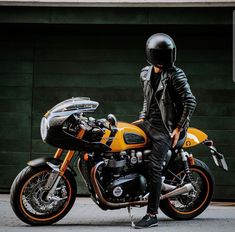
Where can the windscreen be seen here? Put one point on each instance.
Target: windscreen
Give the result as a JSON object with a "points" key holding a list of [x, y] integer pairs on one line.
{"points": [[80, 104]]}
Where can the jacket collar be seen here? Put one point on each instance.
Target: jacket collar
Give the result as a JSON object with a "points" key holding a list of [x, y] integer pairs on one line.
{"points": [[150, 70]]}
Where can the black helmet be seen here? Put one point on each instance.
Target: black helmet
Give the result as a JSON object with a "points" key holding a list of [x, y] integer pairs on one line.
{"points": [[161, 50]]}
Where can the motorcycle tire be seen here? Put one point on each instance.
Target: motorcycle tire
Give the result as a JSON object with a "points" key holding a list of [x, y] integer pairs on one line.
{"points": [[28, 198], [185, 208]]}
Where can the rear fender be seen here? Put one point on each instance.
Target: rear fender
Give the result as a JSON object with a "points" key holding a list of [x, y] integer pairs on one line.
{"points": [[43, 161]]}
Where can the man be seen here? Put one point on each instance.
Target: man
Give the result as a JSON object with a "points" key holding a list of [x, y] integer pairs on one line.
{"points": [[167, 108]]}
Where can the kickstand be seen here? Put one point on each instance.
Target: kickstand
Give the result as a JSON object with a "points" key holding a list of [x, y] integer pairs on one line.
{"points": [[131, 216]]}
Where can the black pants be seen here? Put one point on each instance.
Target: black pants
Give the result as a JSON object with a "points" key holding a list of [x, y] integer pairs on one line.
{"points": [[161, 143]]}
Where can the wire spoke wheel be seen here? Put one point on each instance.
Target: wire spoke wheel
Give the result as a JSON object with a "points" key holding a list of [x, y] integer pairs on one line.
{"points": [[189, 202], [189, 205], [34, 195], [31, 202]]}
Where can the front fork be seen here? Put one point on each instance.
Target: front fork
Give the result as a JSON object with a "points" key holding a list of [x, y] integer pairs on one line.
{"points": [[59, 170]]}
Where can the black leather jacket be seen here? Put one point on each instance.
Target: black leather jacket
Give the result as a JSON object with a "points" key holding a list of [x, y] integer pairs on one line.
{"points": [[173, 95]]}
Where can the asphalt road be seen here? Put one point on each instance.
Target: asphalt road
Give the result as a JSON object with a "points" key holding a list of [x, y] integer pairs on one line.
{"points": [[85, 216]]}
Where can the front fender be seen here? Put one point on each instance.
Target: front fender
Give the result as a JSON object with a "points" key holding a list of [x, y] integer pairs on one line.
{"points": [[43, 161]]}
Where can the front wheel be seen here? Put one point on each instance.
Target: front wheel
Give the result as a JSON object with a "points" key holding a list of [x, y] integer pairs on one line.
{"points": [[190, 205], [29, 201]]}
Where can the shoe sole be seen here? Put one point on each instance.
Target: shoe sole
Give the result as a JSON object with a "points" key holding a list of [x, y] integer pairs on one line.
{"points": [[142, 227]]}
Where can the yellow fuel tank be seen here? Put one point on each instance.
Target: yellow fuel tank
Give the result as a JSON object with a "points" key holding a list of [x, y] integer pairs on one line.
{"points": [[126, 136]]}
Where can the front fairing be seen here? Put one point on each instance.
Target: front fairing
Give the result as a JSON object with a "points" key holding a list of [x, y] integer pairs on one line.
{"points": [[55, 123]]}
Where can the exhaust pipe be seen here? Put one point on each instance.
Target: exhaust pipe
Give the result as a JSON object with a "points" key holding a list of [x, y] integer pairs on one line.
{"points": [[185, 189]]}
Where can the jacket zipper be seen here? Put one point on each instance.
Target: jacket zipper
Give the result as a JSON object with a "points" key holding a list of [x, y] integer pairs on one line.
{"points": [[162, 117], [160, 108]]}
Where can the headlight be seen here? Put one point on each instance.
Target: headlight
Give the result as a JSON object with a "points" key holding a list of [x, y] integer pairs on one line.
{"points": [[44, 128]]}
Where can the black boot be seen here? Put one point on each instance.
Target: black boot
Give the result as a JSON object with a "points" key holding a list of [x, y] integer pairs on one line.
{"points": [[147, 221]]}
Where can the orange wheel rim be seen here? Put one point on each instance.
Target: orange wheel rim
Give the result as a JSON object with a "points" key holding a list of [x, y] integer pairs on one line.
{"points": [[201, 205], [43, 219]]}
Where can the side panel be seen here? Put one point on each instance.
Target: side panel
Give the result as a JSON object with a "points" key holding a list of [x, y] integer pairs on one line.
{"points": [[194, 137]]}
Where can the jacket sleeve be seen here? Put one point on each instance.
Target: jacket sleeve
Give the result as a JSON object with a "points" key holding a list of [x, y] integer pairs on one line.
{"points": [[142, 114], [185, 95], [143, 74]]}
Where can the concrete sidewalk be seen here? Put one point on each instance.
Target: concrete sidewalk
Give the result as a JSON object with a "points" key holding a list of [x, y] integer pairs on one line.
{"points": [[86, 216]]}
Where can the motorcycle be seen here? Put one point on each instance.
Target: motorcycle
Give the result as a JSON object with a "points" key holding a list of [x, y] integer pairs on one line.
{"points": [[112, 158]]}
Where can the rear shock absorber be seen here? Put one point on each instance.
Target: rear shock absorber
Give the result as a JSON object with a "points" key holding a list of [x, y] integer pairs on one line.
{"points": [[184, 157]]}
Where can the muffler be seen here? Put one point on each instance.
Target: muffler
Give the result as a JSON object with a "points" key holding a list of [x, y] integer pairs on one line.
{"points": [[184, 189]]}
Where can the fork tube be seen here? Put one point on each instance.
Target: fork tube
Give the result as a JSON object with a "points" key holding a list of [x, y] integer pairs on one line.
{"points": [[66, 162], [69, 154], [58, 153]]}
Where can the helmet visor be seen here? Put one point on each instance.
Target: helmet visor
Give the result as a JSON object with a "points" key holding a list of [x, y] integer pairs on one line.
{"points": [[163, 57]]}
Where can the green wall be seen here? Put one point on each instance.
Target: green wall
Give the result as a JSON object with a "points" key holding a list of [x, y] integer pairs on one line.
{"points": [[50, 54]]}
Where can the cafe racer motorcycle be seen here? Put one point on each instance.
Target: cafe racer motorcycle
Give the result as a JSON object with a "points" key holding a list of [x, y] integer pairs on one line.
{"points": [[112, 158]]}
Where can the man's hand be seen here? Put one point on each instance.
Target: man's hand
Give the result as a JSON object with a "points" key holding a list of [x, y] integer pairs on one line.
{"points": [[175, 136]]}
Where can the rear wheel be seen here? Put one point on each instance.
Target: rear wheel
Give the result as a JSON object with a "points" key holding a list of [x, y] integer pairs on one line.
{"points": [[190, 205], [29, 197]]}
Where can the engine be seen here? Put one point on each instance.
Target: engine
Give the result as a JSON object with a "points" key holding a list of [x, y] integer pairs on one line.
{"points": [[123, 178]]}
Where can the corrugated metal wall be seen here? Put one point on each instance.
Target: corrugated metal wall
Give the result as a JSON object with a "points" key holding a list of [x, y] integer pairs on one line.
{"points": [[42, 64]]}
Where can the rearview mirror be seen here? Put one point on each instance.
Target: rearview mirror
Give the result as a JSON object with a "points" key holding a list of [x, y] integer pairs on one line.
{"points": [[112, 120]]}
